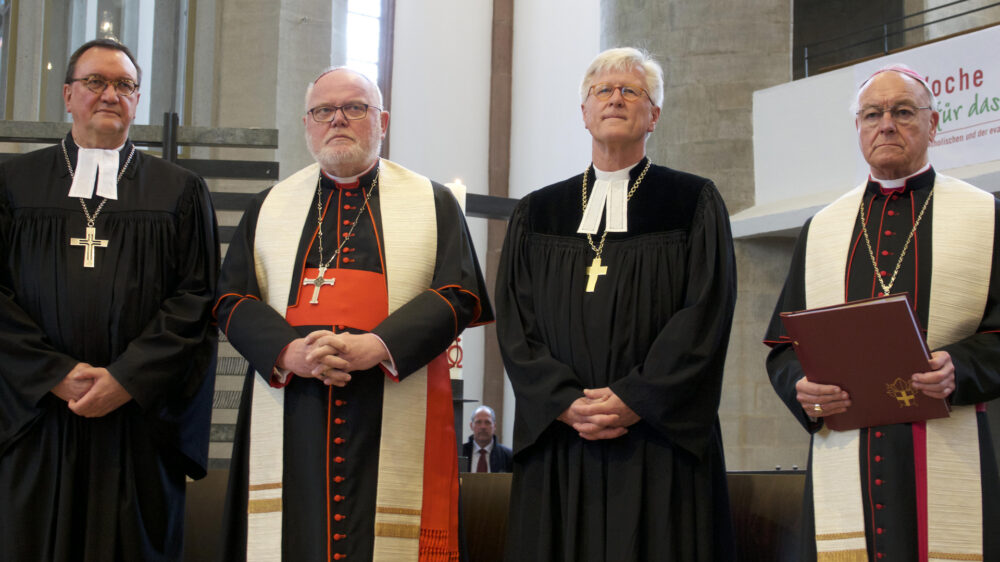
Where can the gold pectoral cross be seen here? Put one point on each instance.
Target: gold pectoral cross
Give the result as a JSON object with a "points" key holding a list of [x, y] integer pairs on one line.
{"points": [[595, 270], [318, 282], [89, 243]]}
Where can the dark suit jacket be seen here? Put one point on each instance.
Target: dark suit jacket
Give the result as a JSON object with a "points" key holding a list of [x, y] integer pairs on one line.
{"points": [[501, 458]]}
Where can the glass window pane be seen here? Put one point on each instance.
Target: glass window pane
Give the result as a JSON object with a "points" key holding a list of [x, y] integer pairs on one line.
{"points": [[367, 7], [362, 38]]}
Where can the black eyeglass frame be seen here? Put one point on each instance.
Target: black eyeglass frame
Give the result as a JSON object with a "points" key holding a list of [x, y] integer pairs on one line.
{"points": [[343, 109]]}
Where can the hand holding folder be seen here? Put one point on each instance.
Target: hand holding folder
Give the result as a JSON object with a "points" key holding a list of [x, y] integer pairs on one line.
{"points": [[870, 349]]}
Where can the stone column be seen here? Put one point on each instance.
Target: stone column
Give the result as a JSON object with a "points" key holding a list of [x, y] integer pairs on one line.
{"points": [[27, 60], [715, 54]]}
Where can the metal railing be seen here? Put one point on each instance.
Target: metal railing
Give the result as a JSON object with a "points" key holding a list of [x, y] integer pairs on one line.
{"points": [[886, 33]]}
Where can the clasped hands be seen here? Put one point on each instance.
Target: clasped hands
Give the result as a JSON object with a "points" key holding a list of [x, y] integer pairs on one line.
{"points": [[820, 400], [331, 357], [599, 414], [91, 392]]}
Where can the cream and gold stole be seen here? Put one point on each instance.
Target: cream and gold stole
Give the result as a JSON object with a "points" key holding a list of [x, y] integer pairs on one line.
{"points": [[963, 222], [409, 232]]}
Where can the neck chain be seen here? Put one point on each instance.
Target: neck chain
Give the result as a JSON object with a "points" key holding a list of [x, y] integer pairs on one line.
{"points": [[320, 279], [90, 241], [595, 269], [886, 287]]}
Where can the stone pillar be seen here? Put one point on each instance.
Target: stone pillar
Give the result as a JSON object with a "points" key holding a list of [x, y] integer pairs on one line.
{"points": [[169, 42], [27, 60], [266, 53], [715, 54]]}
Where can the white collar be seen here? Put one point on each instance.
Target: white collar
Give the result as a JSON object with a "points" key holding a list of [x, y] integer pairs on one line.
{"points": [[90, 161], [351, 179], [610, 195], [901, 182]]}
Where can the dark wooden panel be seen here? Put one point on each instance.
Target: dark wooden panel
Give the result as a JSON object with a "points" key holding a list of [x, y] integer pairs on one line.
{"points": [[767, 507], [484, 514], [766, 510], [231, 169], [203, 516]]}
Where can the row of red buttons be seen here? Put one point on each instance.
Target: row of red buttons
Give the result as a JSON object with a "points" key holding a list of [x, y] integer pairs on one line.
{"points": [[878, 482], [338, 479], [340, 421]]}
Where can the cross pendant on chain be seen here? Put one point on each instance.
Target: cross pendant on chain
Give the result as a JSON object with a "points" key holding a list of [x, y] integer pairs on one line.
{"points": [[89, 243], [594, 270], [318, 282]]}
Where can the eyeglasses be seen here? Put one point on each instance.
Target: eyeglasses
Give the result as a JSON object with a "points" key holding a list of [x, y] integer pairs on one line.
{"points": [[97, 84], [604, 92], [902, 114], [352, 111]]}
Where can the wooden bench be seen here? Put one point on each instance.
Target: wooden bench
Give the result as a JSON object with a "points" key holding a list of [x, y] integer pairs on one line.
{"points": [[765, 505]]}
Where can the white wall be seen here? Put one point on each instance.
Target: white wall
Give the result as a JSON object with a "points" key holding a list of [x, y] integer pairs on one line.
{"points": [[554, 41], [439, 123]]}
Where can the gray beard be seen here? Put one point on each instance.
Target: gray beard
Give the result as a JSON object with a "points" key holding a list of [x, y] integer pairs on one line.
{"points": [[349, 162]]}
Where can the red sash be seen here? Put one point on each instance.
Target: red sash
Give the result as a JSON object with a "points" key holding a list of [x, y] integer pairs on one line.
{"points": [[357, 299]]}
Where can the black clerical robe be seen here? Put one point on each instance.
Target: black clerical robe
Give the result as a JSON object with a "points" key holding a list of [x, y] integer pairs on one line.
{"points": [[332, 434], [655, 331], [886, 453], [108, 488]]}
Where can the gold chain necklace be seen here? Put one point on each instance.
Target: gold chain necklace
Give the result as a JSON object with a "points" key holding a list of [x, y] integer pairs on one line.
{"points": [[320, 279], [90, 240], [871, 254], [595, 269]]}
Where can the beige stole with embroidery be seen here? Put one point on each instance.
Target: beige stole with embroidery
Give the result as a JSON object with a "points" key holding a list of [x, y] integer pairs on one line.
{"points": [[963, 219], [409, 233]]}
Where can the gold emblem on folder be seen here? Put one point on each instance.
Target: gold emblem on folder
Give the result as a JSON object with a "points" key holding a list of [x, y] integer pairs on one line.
{"points": [[903, 392]]}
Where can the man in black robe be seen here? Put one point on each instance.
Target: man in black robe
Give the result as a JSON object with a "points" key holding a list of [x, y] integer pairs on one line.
{"points": [[615, 342], [106, 352], [329, 461], [908, 211]]}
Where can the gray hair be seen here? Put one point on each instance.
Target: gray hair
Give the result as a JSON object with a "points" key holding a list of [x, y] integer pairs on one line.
{"points": [[898, 68], [328, 70], [488, 410], [626, 59]]}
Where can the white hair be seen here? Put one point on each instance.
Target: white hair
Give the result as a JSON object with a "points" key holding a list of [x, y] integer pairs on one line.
{"points": [[309, 88], [898, 68], [626, 59]]}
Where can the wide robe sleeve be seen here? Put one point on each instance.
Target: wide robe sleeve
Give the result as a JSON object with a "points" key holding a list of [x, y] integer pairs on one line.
{"points": [[423, 328], [29, 365], [678, 386], [783, 366], [257, 330], [543, 386], [160, 359]]}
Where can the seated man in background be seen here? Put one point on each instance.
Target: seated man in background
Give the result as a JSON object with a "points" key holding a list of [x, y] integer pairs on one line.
{"points": [[484, 452]]}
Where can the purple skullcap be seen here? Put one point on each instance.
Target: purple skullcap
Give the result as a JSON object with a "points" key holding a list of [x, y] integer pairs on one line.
{"points": [[900, 68]]}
